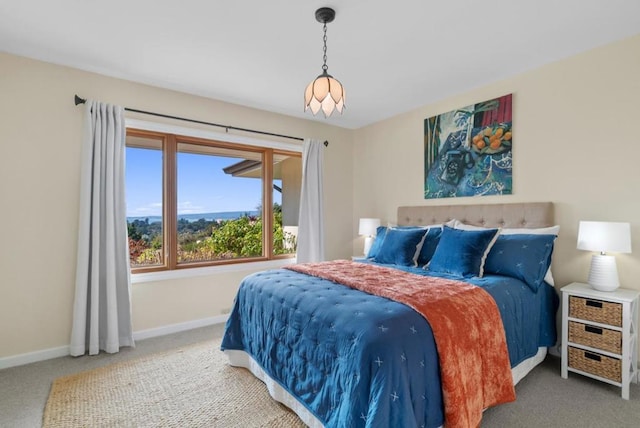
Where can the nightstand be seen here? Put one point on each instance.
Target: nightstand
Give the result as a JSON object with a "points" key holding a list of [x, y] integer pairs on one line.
{"points": [[600, 334]]}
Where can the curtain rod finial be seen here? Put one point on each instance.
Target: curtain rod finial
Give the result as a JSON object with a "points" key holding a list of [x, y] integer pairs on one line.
{"points": [[78, 100], [326, 143]]}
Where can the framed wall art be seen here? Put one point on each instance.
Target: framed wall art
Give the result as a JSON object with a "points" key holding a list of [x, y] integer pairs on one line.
{"points": [[468, 151]]}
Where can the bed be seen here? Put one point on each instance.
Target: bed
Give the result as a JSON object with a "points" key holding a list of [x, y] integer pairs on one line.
{"points": [[343, 354]]}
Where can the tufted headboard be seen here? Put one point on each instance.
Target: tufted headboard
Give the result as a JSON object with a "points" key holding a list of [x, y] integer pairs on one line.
{"points": [[528, 214]]}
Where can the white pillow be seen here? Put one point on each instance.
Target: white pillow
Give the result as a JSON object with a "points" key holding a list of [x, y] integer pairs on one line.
{"points": [[552, 230], [449, 223]]}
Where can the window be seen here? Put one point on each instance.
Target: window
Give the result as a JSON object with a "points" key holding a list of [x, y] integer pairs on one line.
{"points": [[195, 202], [144, 160]]}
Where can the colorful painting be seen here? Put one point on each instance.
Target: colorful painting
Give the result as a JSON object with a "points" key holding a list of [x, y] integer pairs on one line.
{"points": [[468, 151]]}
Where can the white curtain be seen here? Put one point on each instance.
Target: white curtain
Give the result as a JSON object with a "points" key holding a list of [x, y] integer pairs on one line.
{"points": [[102, 307], [311, 220]]}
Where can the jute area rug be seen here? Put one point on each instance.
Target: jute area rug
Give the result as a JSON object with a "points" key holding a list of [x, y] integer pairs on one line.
{"points": [[189, 387]]}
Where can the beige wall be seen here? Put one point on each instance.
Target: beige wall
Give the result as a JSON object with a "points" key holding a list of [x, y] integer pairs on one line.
{"points": [[291, 171], [576, 144], [40, 138]]}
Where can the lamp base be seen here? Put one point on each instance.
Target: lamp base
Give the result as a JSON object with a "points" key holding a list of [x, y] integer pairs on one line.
{"points": [[368, 240], [603, 275]]}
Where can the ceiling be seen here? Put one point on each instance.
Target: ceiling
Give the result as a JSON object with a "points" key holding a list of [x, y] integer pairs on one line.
{"points": [[391, 57]]}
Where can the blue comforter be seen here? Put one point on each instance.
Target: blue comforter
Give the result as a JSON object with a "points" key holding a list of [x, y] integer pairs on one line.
{"points": [[358, 360]]}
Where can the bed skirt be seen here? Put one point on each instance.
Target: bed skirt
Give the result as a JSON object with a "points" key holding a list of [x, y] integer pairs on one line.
{"points": [[242, 359]]}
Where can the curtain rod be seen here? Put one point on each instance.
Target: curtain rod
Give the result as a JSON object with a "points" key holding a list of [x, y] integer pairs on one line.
{"points": [[79, 100]]}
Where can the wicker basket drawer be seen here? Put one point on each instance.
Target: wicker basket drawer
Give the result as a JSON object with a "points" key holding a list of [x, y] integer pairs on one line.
{"points": [[595, 310], [594, 363], [595, 337]]}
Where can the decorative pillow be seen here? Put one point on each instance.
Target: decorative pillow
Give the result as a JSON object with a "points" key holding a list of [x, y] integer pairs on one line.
{"points": [[381, 231], [462, 252], [551, 230], [525, 257], [401, 246], [429, 245]]}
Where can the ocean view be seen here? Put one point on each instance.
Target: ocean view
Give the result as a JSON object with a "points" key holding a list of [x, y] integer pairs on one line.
{"points": [[226, 215]]}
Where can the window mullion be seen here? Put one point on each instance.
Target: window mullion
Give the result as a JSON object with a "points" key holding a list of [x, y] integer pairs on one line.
{"points": [[171, 204], [267, 205]]}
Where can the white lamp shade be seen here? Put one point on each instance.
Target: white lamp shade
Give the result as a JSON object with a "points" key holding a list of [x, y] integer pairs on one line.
{"points": [[604, 236], [368, 226]]}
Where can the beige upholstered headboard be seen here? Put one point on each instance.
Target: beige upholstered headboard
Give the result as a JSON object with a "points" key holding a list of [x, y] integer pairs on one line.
{"points": [[529, 215]]}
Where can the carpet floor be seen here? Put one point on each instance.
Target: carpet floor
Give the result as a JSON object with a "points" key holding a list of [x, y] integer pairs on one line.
{"points": [[190, 386], [544, 399]]}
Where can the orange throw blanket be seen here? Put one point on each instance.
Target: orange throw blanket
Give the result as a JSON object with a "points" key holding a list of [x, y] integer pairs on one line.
{"points": [[466, 324]]}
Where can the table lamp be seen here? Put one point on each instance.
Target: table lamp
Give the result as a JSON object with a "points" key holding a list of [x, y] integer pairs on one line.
{"points": [[367, 228], [604, 236]]}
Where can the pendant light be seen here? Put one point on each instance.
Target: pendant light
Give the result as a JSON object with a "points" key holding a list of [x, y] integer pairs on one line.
{"points": [[324, 92]]}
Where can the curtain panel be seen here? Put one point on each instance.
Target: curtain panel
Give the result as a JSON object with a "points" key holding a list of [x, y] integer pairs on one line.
{"points": [[102, 306], [311, 220]]}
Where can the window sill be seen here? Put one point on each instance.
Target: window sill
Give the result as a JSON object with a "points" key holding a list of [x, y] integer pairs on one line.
{"points": [[137, 278]]}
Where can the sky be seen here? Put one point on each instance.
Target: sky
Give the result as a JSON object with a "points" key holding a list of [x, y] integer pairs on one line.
{"points": [[203, 187]]}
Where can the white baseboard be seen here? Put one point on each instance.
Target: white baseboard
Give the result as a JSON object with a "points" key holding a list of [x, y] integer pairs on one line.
{"points": [[62, 351], [33, 357], [176, 328]]}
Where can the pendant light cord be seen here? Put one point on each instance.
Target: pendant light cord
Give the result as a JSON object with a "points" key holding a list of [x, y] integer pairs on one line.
{"points": [[324, 57]]}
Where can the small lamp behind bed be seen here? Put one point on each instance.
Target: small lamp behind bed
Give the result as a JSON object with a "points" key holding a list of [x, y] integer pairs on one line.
{"points": [[604, 237], [367, 228]]}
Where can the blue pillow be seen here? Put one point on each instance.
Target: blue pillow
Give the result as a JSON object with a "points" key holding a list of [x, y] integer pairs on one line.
{"points": [[401, 246], [429, 245], [522, 256], [381, 231], [462, 252]]}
